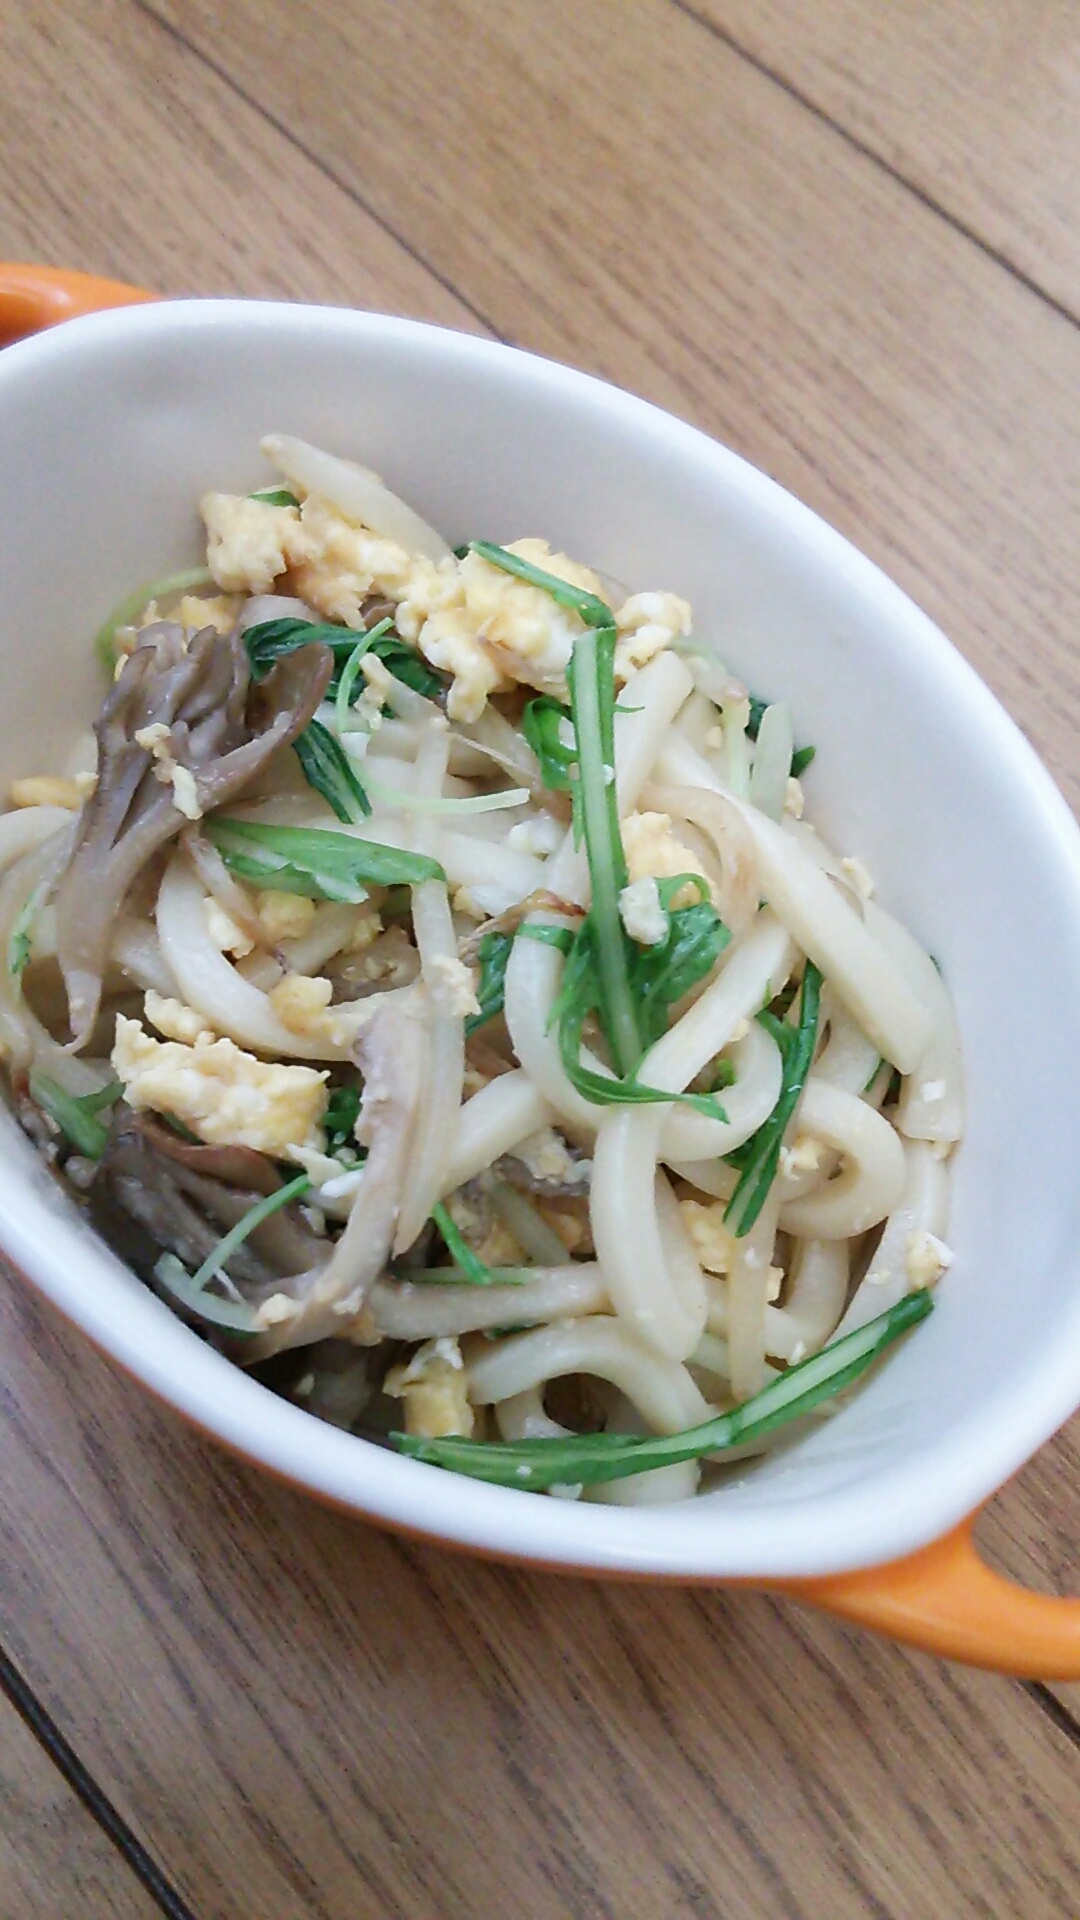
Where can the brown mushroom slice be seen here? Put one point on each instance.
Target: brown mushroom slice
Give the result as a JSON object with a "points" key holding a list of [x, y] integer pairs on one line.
{"points": [[221, 729], [319, 1303]]}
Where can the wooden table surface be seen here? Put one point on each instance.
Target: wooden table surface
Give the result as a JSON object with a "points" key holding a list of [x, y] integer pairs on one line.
{"points": [[844, 237]]}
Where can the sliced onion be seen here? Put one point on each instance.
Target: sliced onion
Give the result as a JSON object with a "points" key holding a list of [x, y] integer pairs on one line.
{"points": [[356, 492]]}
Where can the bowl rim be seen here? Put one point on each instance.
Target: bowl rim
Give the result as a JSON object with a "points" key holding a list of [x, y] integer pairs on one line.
{"points": [[55, 1253]]}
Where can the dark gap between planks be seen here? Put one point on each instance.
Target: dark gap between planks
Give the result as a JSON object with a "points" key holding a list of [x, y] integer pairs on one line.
{"points": [[67, 1762]]}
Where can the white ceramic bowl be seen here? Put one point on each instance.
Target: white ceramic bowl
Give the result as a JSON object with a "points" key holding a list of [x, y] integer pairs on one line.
{"points": [[112, 426]]}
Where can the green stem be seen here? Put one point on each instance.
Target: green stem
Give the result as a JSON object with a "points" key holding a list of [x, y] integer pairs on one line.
{"points": [[253, 1218], [589, 1459], [593, 658]]}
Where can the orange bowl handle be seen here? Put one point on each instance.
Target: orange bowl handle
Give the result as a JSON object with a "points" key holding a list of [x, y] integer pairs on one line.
{"points": [[34, 297], [946, 1600]]}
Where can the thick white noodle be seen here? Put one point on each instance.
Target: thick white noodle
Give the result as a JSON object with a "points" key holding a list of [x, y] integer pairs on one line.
{"points": [[848, 1059], [136, 950], [521, 1416], [660, 1488], [29, 827], [759, 1071], [824, 926], [533, 977], [931, 1103], [537, 1239], [772, 761], [661, 1389], [647, 705], [816, 1290], [492, 1123], [923, 1207], [444, 1066], [209, 982], [23, 1038], [492, 738], [355, 491], [747, 1300], [871, 1178], [721, 820], [406, 1311], [398, 740], [635, 1221], [496, 876]]}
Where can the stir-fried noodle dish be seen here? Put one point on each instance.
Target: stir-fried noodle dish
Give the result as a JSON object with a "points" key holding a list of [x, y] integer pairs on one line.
{"points": [[426, 978]]}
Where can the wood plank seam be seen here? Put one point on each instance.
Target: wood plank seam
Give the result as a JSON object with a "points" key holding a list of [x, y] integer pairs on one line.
{"points": [[287, 133], [868, 152], [82, 1783], [1045, 1697]]}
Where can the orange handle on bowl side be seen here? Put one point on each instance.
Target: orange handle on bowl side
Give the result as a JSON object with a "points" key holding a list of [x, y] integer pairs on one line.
{"points": [[946, 1600], [34, 297]]}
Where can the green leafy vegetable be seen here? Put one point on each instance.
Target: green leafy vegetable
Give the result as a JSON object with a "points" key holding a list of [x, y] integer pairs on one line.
{"points": [[759, 1159], [326, 767], [192, 1289], [76, 1115], [235, 1315], [339, 1120], [542, 722], [315, 861], [269, 639], [135, 603], [274, 497], [468, 1268], [601, 960], [588, 1459], [592, 610], [350, 673], [494, 954], [662, 974]]}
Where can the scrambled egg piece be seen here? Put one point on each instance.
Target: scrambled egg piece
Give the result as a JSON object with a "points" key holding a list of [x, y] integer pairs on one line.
{"points": [[541, 834], [714, 1243], [654, 850], [226, 1096], [641, 913], [926, 1258], [300, 1002], [452, 988], [803, 1155], [46, 790], [250, 542], [157, 740], [647, 623], [341, 562], [223, 930], [284, 916], [175, 1020], [483, 626], [547, 1157], [218, 612], [435, 1389]]}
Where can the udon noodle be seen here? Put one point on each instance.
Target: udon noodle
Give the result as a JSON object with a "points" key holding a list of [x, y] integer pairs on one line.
{"points": [[426, 977]]}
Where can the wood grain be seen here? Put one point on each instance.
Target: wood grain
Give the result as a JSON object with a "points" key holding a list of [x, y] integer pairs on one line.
{"points": [[122, 154], [302, 1717], [54, 1858], [976, 102], [298, 1716], [683, 226]]}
